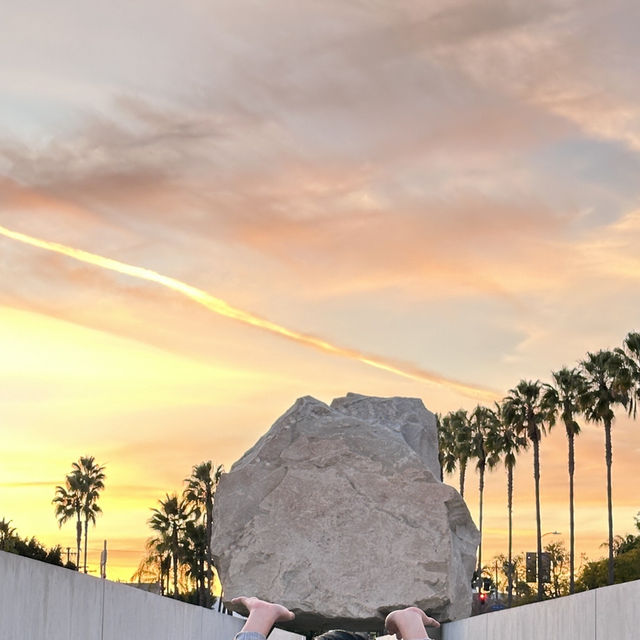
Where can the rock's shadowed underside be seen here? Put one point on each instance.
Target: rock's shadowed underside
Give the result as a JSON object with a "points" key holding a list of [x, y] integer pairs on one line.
{"points": [[338, 513]]}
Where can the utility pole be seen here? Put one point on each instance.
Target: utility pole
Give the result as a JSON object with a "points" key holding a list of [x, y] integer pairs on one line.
{"points": [[103, 561], [71, 554]]}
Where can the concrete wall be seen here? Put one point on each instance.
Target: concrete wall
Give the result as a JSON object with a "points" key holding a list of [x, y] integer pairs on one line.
{"points": [[39, 601], [602, 614]]}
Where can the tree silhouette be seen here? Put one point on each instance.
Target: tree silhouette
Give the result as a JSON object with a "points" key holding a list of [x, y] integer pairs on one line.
{"points": [[525, 411], [68, 504], [156, 564], [609, 382], [458, 426], [446, 445], [193, 554], [169, 521], [199, 495], [89, 478], [506, 442], [483, 422], [564, 398], [6, 532], [632, 352]]}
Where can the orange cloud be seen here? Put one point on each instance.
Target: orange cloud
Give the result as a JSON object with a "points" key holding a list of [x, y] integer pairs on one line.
{"points": [[221, 307]]}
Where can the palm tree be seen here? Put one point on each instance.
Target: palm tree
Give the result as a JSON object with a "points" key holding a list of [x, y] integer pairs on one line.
{"points": [[462, 442], [90, 481], [632, 352], [68, 504], [506, 442], [199, 494], [193, 552], [446, 445], [482, 423], [456, 425], [6, 532], [564, 399], [623, 544], [170, 521], [151, 569], [157, 563], [609, 382], [525, 410]]}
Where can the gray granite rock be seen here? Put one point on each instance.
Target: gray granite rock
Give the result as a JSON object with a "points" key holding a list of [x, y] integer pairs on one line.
{"points": [[338, 513], [406, 416]]}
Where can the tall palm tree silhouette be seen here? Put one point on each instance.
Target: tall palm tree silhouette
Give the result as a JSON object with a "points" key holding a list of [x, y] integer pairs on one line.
{"points": [[609, 382], [89, 478], [525, 410], [199, 494], [170, 521], [563, 398], [68, 504], [482, 423], [461, 438], [446, 445], [632, 352], [506, 442]]}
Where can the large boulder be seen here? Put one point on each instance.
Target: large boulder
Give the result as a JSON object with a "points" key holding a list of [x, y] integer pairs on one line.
{"points": [[339, 514]]}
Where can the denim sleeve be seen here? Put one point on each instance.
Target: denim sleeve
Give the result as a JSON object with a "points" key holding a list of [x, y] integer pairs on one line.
{"points": [[248, 635]]}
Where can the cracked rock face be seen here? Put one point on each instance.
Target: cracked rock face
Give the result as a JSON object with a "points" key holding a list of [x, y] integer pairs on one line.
{"points": [[338, 513]]}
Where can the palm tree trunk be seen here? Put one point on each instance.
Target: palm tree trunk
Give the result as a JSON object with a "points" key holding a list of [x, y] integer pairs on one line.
{"points": [[86, 531], [463, 468], [206, 582], [209, 527], [174, 553], [78, 541], [571, 516], [536, 477], [175, 574], [607, 434], [203, 585], [480, 520], [510, 509]]}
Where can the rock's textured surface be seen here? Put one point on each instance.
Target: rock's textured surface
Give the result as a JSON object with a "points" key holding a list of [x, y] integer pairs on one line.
{"points": [[406, 416], [338, 513]]}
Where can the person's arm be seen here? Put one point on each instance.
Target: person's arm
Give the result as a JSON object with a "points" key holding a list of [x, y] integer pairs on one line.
{"points": [[409, 623]]}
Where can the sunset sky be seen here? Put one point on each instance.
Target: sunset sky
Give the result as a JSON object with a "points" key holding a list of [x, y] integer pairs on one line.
{"points": [[393, 198]]}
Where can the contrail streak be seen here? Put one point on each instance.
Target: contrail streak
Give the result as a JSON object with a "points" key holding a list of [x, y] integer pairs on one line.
{"points": [[225, 309]]}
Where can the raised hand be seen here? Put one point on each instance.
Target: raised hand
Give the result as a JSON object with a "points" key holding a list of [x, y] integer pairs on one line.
{"points": [[262, 614], [409, 623]]}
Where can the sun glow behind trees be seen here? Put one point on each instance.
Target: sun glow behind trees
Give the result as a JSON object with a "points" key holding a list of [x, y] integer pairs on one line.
{"points": [[489, 234], [148, 414]]}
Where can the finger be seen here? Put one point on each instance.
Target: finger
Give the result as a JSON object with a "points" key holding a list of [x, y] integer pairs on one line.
{"points": [[240, 601]]}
